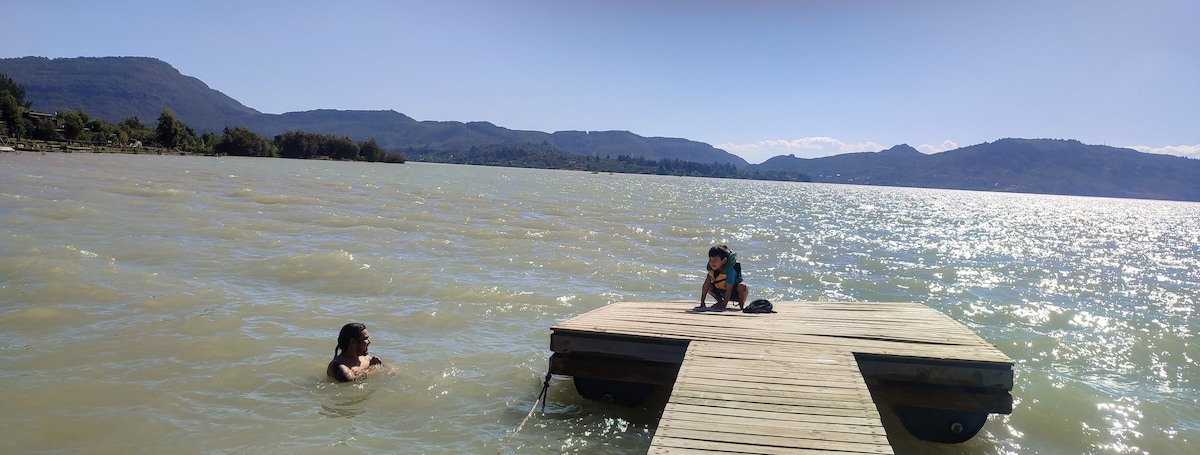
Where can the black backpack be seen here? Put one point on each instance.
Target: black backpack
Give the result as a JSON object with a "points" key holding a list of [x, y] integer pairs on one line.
{"points": [[759, 306]]}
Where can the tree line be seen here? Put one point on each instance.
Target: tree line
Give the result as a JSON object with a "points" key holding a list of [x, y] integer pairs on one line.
{"points": [[546, 156], [18, 121]]}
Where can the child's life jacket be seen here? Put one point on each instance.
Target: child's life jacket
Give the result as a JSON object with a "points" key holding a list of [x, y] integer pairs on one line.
{"points": [[730, 272]]}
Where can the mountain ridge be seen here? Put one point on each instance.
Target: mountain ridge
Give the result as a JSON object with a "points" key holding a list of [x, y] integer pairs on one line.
{"points": [[115, 88], [1045, 166]]}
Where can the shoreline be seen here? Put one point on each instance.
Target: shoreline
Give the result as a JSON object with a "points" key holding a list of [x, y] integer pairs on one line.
{"points": [[68, 147]]}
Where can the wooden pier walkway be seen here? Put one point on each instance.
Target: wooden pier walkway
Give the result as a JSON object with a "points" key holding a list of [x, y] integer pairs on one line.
{"points": [[804, 379]]}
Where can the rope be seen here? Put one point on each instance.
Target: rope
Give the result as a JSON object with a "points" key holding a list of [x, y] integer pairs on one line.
{"points": [[542, 398]]}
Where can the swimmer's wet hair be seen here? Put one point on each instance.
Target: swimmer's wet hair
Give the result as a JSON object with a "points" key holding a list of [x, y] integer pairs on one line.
{"points": [[351, 331]]}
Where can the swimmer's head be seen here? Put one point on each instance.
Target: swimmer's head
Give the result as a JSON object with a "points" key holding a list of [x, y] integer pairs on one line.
{"points": [[350, 332]]}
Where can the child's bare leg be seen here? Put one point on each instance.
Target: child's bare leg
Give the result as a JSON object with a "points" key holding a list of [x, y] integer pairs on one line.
{"points": [[722, 299]]}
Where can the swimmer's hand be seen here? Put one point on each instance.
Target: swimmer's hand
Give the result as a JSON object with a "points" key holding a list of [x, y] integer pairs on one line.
{"points": [[377, 364]]}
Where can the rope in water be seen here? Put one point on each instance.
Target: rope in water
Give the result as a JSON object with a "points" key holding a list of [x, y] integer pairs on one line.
{"points": [[542, 398]]}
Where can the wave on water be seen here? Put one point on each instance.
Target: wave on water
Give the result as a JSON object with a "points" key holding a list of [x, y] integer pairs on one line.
{"points": [[191, 303]]}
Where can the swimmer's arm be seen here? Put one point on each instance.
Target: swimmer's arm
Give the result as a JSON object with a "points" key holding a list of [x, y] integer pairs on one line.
{"points": [[376, 361], [340, 372], [348, 373]]}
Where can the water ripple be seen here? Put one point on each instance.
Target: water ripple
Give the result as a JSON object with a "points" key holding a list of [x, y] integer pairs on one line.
{"points": [[190, 304]]}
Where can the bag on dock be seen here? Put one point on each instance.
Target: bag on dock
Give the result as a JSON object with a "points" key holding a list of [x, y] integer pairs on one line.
{"points": [[759, 306]]}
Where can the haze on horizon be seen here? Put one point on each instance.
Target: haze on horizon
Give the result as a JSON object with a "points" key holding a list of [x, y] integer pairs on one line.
{"points": [[757, 79]]}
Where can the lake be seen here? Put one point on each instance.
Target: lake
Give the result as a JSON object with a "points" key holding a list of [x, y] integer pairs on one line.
{"points": [[190, 304]]}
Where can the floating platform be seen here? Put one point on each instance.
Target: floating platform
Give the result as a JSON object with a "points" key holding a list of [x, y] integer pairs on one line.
{"points": [[811, 377]]}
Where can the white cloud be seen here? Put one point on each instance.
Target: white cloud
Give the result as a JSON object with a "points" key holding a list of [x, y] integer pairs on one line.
{"points": [[1190, 151], [931, 149], [809, 147]]}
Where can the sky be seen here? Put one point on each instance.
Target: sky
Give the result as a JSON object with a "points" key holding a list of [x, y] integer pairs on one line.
{"points": [[755, 78]]}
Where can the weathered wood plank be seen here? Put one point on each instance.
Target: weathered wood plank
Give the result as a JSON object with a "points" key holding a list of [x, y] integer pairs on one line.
{"points": [[742, 430], [812, 407], [734, 442], [642, 349], [683, 446], [788, 418]]}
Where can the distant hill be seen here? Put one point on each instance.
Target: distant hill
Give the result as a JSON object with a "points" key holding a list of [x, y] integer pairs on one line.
{"points": [[115, 88], [1014, 165]]}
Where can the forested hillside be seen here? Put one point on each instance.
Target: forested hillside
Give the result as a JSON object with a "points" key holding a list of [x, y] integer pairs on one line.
{"points": [[116, 88]]}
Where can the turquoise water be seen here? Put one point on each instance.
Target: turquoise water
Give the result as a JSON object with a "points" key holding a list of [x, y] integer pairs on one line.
{"points": [[189, 304]]}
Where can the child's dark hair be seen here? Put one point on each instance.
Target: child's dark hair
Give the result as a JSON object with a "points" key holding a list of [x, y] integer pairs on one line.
{"points": [[720, 251]]}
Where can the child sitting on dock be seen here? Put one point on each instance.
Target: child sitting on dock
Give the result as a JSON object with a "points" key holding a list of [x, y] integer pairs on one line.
{"points": [[723, 281]]}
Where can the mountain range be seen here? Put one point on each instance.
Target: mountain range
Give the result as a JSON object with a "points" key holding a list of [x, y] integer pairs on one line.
{"points": [[116, 88]]}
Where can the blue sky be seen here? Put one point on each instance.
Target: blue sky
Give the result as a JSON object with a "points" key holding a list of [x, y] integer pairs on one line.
{"points": [[756, 78]]}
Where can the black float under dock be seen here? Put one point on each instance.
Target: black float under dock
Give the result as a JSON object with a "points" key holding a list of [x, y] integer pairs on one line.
{"points": [[810, 378]]}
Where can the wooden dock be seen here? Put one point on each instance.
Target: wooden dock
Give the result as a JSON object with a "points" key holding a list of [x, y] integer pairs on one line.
{"points": [[811, 377]]}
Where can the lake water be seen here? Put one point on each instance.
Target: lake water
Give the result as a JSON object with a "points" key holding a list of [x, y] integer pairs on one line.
{"points": [[190, 304]]}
